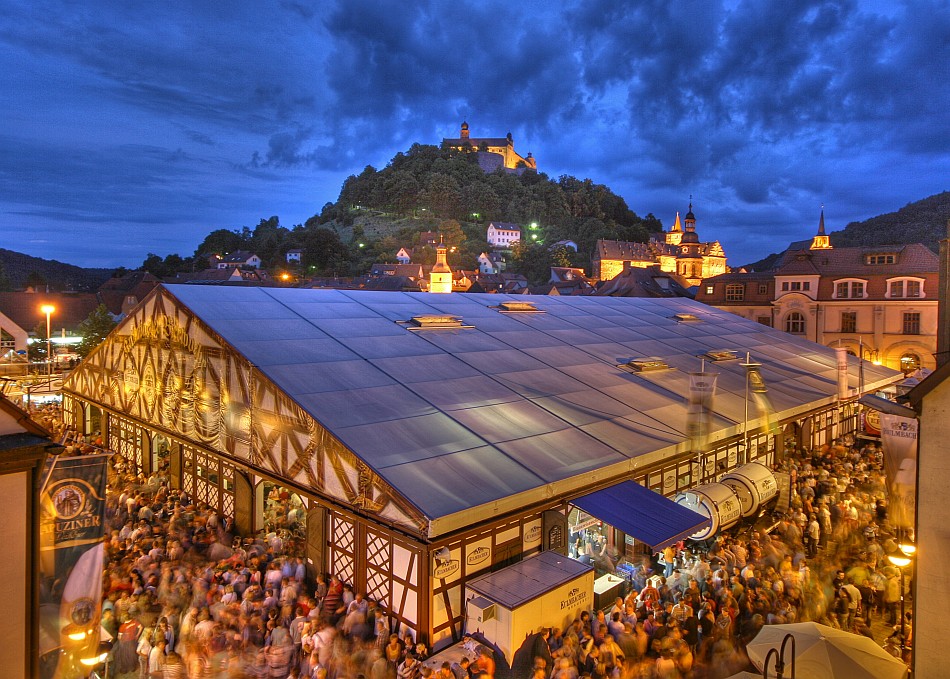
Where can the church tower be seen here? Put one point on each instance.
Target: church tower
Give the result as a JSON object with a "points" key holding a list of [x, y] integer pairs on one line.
{"points": [[689, 261], [675, 234], [440, 278], [821, 241]]}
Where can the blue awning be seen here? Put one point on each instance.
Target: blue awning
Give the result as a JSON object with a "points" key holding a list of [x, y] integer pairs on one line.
{"points": [[638, 511]]}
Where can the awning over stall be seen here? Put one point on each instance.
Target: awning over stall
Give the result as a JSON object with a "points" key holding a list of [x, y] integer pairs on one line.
{"points": [[638, 511], [885, 406]]}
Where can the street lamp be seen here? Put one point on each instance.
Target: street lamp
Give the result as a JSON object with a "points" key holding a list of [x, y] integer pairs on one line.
{"points": [[48, 309], [902, 560]]}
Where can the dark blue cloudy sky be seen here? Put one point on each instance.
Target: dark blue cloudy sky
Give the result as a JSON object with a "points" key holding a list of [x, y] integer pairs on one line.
{"points": [[135, 127]]}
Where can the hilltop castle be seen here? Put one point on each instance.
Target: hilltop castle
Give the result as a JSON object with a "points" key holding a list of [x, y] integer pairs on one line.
{"points": [[494, 152]]}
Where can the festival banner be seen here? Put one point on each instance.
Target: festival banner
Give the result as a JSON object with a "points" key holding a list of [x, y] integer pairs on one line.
{"points": [[702, 391], [899, 442], [72, 514]]}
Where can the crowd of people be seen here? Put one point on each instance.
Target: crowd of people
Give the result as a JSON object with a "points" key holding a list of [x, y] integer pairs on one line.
{"points": [[692, 610], [186, 597]]}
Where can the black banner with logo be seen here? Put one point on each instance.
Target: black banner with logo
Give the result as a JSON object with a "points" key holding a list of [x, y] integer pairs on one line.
{"points": [[72, 517]]}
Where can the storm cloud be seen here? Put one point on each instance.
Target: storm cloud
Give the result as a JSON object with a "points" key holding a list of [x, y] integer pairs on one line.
{"points": [[150, 125]]}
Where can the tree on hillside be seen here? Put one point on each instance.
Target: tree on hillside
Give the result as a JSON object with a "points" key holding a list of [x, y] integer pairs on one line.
{"points": [[35, 280], [6, 285], [164, 268], [443, 195], [94, 329], [323, 250], [222, 241], [268, 240], [534, 261]]}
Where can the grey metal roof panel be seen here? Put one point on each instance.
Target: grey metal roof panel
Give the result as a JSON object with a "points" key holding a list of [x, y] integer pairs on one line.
{"points": [[453, 419], [351, 407], [394, 442], [294, 351], [465, 392], [457, 482], [526, 580]]}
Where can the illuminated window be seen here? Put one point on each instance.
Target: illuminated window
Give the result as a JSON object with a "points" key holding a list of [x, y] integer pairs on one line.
{"points": [[795, 324], [735, 293], [911, 324], [849, 321], [709, 289]]}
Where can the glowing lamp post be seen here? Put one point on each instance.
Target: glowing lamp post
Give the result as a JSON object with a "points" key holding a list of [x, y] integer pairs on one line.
{"points": [[902, 560], [48, 309]]}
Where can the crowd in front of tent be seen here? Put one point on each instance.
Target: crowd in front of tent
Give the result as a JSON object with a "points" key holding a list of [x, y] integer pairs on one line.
{"points": [[184, 596]]}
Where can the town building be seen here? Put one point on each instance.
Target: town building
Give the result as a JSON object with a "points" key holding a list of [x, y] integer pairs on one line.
{"points": [[293, 256], [239, 258], [494, 152], [678, 251], [651, 281], [879, 302], [404, 256], [503, 234], [431, 439], [491, 262]]}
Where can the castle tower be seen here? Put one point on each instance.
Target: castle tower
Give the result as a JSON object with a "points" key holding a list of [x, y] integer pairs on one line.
{"points": [[675, 234], [821, 241], [440, 278], [463, 133]]}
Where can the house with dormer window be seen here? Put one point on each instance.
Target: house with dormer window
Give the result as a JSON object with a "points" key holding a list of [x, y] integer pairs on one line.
{"points": [[880, 302]]}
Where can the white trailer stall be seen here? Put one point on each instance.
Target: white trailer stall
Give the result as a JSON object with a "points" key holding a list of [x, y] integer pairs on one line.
{"points": [[547, 590]]}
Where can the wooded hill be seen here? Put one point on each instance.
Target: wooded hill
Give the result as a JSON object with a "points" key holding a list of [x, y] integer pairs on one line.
{"points": [[18, 271], [923, 221]]}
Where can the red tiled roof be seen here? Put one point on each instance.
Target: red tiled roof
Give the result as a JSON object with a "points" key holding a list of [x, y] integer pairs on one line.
{"points": [[914, 258]]}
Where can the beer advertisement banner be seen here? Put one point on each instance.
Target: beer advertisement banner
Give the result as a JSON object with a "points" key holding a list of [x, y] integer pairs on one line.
{"points": [[899, 441], [72, 517], [702, 391]]}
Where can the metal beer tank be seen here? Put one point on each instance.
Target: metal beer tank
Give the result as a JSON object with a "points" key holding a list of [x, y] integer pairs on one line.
{"points": [[754, 485], [716, 501]]}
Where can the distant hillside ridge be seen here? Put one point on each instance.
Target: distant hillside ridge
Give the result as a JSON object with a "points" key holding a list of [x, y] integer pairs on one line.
{"points": [[923, 221], [24, 270]]}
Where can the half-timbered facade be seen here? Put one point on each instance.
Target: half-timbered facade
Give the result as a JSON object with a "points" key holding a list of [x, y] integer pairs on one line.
{"points": [[429, 438]]}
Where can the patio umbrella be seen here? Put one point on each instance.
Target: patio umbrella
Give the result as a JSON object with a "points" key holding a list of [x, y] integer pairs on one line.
{"points": [[823, 652]]}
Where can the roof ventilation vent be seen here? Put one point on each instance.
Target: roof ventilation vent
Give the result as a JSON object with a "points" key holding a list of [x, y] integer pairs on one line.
{"points": [[519, 308], [434, 322], [643, 365], [686, 318], [721, 355]]}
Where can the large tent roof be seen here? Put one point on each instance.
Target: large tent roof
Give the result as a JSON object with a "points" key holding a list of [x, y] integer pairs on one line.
{"points": [[516, 403]]}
